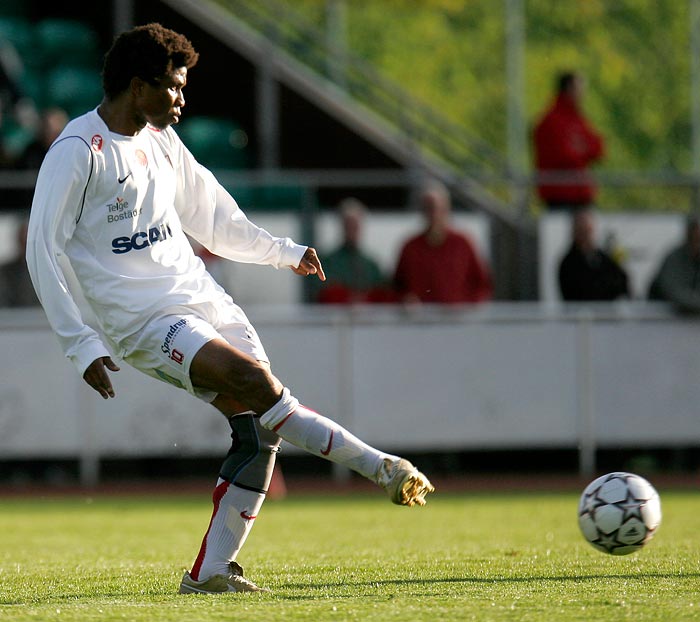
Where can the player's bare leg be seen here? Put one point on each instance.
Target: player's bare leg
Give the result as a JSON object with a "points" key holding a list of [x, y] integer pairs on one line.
{"points": [[243, 481], [220, 367]]}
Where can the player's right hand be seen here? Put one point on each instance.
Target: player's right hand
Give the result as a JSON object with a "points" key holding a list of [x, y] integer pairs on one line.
{"points": [[96, 376]]}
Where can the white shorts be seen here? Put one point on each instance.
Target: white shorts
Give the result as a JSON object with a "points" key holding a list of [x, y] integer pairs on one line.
{"points": [[164, 349]]}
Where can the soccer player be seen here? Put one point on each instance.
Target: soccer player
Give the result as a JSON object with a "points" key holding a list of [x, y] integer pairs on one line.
{"points": [[115, 197]]}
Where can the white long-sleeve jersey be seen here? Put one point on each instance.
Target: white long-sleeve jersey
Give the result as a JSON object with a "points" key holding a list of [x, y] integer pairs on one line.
{"points": [[118, 208]]}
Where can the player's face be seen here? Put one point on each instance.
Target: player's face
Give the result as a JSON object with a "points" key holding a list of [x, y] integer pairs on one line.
{"points": [[162, 101]]}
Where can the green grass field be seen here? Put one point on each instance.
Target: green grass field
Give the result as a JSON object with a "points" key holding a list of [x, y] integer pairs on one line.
{"points": [[357, 557]]}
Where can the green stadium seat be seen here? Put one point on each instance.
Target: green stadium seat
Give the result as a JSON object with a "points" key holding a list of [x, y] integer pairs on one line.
{"points": [[279, 197], [217, 143], [15, 137], [33, 86], [75, 89], [20, 34], [15, 8], [244, 195], [267, 198], [68, 42]]}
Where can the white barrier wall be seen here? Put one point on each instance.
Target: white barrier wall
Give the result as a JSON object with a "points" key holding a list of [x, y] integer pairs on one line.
{"points": [[501, 376]]}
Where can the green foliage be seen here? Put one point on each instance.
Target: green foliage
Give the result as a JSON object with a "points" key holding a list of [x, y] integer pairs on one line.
{"points": [[635, 55], [464, 556]]}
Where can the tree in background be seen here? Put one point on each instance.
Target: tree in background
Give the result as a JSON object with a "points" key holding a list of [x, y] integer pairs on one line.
{"points": [[635, 55]]}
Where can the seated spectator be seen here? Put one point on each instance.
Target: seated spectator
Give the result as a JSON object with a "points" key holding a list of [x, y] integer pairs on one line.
{"points": [[351, 275], [16, 289], [678, 278], [587, 272], [441, 264], [17, 111], [6, 160], [51, 124]]}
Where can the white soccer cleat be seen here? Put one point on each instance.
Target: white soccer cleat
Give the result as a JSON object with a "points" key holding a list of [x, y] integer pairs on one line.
{"points": [[404, 483], [234, 581]]}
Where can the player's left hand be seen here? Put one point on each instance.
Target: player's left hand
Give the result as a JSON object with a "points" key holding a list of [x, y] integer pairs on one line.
{"points": [[310, 264], [96, 376]]}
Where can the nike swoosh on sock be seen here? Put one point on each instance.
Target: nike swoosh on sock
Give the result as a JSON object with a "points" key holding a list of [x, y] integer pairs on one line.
{"points": [[330, 444]]}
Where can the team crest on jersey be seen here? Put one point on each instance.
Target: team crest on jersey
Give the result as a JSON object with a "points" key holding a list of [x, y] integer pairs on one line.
{"points": [[96, 142], [141, 158]]}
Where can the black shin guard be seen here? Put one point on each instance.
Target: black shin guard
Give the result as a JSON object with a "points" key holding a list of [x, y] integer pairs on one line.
{"points": [[251, 459]]}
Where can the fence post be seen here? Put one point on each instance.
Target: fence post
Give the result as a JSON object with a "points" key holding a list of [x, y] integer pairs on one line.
{"points": [[346, 385], [585, 412], [89, 458]]}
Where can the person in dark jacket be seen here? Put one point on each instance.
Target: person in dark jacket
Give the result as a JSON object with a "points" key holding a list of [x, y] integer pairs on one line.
{"points": [[678, 278], [587, 272]]}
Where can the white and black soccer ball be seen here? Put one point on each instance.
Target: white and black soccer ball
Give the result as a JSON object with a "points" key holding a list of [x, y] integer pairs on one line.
{"points": [[619, 513]]}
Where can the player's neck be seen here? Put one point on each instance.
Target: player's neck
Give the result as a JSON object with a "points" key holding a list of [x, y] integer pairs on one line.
{"points": [[119, 118]]}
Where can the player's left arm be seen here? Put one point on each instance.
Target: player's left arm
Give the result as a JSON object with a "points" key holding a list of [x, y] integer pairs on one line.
{"points": [[96, 376]]}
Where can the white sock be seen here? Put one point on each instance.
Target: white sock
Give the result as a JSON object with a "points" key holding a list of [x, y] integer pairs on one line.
{"points": [[321, 436], [235, 510]]}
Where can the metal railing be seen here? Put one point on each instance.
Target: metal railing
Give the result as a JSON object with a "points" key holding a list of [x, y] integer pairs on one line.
{"points": [[421, 124], [675, 191], [478, 174]]}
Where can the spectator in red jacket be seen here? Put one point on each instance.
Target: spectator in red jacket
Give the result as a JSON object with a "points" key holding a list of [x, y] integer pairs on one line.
{"points": [[441, 265], [565, 145]]}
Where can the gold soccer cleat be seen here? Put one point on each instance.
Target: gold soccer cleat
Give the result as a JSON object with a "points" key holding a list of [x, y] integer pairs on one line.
{"points": [[234, 581], [404, 483]]}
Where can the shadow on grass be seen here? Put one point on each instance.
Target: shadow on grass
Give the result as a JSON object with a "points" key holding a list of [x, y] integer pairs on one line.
{"points": [[277, 594], [499, 580]]}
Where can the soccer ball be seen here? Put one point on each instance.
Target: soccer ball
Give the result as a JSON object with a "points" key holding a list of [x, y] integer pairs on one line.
{"points": [[619, 513]]}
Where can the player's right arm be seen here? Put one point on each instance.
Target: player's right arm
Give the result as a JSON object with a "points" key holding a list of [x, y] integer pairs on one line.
{"points": [[60, 196]]}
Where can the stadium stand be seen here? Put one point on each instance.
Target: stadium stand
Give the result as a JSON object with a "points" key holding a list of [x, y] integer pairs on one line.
{"points": [[75, 89], [19, 32], [31, 51], [14, 8], [203, 136], [74, 42], [271, 197]]}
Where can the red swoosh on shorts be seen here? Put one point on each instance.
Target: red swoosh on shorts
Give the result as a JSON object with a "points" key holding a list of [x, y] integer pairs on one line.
{"points": [[328, 449], [246, 516]]}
